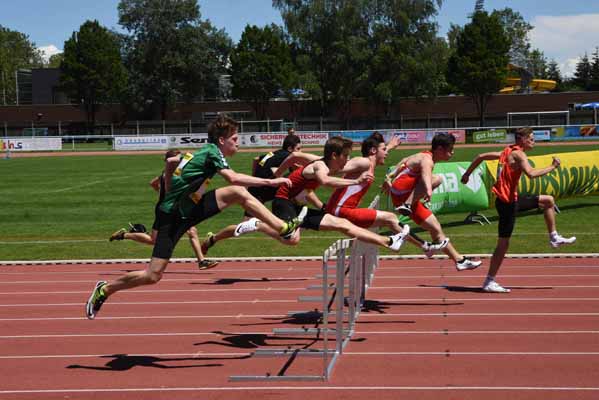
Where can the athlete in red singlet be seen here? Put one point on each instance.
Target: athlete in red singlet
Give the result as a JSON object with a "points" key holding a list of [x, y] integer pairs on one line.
{"points": [[311, 176], [512, 163], [413, 181]]}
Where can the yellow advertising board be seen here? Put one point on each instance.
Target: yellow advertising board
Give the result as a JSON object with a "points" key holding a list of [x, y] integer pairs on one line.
{"points": [[578, 175]]}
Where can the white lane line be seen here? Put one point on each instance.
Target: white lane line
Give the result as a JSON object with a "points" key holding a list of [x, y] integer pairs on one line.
{"points": [[351, 353], [154, 303], [307, 388], [269, 289], [249, 280], [363, 315], [405, 302], [169, 334]]}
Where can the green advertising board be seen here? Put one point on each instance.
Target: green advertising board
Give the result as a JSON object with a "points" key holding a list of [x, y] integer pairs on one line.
{"points": [[490, 136]]}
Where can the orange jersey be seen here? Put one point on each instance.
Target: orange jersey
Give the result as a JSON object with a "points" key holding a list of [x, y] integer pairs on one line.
{"points": [[506, 187], [298, 184]]}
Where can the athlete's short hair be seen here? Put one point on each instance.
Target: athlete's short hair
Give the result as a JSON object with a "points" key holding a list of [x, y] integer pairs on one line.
{"points": [[336, 145], [443, 140], [371, 142], [291, 140], [222, 126], [522, 133], [171, 153]]}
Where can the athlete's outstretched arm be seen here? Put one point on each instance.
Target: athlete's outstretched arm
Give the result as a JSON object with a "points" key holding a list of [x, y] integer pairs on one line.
{"points": [[236, 178], [476, 162], [294, 159]]}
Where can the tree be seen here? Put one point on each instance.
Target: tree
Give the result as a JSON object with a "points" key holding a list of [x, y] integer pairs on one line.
{"points": [[92, 71], [554, 74], [172, 54], [537, 64], [55, 60], [594, 81], [517, 30], [478, 66], [16, 52], [582, 75], [260, 66], [408, 57]]}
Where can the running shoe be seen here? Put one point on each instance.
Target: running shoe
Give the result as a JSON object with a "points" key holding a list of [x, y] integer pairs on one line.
{"points": [[294, 224], [207, 264], [397, 240], [430, 248], [558, 240], [466, 264], [118, 235], [251, 225], [95, 301], [491, 286], [208, 242], [404, 209]]}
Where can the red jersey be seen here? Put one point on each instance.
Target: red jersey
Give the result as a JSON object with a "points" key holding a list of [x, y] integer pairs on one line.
{"points": [[298, 184], [349, 196], [506, 187]]}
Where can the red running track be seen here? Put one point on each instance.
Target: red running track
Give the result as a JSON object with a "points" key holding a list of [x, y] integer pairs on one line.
{"points": [[427, 332]]}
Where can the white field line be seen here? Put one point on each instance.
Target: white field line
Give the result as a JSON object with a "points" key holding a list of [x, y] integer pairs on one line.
{"points": [[308, 388], [362, 316], [405, 302], [199, 355], [173, 334], [305, 278]]}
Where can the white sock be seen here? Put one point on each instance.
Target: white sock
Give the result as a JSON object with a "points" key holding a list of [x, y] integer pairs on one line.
{"points": [[553, 235], [489, 279]]}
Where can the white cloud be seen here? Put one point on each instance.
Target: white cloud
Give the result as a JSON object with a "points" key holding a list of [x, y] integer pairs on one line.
{"points": [[565, 38], [49, 51]]}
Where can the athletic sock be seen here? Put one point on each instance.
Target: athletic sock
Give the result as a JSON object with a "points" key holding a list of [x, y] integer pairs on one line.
{"points": [[553, 235]]}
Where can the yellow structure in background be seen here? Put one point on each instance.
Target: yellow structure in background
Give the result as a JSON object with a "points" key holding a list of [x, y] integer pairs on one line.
{"points": [[536, 85], [525, 82]]}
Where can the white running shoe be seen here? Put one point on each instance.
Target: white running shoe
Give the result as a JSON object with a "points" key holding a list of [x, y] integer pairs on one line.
{"points": [[467, 263], [398, 239], [430, 248], [558, 240], [251, 225], [491, 286]]}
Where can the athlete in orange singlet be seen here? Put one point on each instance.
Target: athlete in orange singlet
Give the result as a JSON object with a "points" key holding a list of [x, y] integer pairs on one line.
{"points": [[512, 163]]}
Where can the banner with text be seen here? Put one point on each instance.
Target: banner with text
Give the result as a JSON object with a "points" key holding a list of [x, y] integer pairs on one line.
{"points": [[141, 143], [192, 140], [577, 175], [276, 139], [31, 144]]}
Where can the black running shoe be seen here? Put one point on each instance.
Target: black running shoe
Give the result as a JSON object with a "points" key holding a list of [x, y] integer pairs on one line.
{"points": [[207, 264], [95, 301], [405, 209], [118, 235]]}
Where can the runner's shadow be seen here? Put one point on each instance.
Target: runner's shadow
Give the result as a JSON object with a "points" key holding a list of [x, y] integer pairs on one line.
{"points": [[376, 306], [302, 318], [125, 362], [231, 281]]}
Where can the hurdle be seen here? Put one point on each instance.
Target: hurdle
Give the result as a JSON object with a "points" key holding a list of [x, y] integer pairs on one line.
{"points": [[343, 293]]}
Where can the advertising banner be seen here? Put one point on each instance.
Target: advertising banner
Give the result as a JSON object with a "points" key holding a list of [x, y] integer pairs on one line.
{"points": [[192, 140], [577, 175], [276, 139], [424, 136], [31, 144], [542, 135], [570, 132], [354, 136], [453, 196], [489, 136], [141, 143]]}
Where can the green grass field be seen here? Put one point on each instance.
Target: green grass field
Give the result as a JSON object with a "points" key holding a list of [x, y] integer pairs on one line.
{"points": [[66, 207]]}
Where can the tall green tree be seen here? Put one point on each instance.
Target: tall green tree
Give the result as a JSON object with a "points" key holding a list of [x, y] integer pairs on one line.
{"points": [[594, 81], [92, 71], [171, 53], [582, 75], [478, 66], [16, 52], [408, 57], [260, 66], [537, 64], [554, 74], [55, 60], [517, 29]]}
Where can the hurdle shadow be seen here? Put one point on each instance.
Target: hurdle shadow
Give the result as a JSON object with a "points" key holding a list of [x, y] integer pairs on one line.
{"points": [[252, 340], [125, 362], [232, 281]]}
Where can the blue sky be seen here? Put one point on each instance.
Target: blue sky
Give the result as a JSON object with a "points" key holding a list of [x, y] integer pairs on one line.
{"points": [[564, 30]]}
